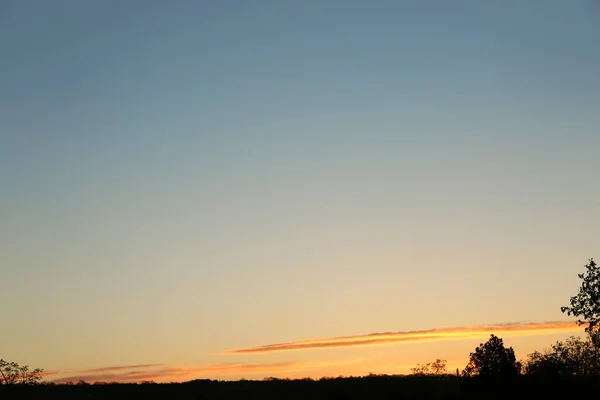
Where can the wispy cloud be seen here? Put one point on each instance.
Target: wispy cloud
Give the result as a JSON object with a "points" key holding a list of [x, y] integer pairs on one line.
{"points": [[374, 339], [122, 368], [51, 372], [126, 374]]}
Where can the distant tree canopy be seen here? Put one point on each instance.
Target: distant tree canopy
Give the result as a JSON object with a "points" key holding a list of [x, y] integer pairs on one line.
{"points": [[586, 304], [492, 359], [438, 367], [573, 357], [12, 373]]}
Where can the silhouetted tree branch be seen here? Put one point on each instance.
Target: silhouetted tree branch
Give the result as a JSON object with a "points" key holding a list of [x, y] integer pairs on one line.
{"points": [[586, 304], [13, 373]]}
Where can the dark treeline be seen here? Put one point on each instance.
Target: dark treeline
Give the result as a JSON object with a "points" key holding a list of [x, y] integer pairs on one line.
{"points": [[368, 387]]}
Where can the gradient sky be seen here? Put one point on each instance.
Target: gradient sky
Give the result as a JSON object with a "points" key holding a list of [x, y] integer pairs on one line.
{"points": [[184, 178]]}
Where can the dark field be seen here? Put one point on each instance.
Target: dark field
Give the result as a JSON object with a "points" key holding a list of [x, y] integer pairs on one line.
{"points": [[371, 387]]}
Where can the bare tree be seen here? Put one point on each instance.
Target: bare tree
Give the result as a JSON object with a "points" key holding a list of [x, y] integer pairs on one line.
{"points": [[438, 367]]}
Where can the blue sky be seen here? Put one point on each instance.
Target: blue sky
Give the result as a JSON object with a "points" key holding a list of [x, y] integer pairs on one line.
{"points": [[224, 174]]}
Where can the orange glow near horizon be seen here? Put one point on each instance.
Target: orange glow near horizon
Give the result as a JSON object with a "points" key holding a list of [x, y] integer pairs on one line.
{"points": [[132, 374], [384, 362]]}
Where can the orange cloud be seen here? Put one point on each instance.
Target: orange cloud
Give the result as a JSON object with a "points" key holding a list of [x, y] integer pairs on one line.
{"points": [[184, 373], [123, 367], [415, 336]]}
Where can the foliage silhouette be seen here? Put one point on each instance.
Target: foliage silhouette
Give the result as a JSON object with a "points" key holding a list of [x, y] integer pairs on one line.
{"points": [[573, 357], [492, 359], [11, 373], [586, 304]]}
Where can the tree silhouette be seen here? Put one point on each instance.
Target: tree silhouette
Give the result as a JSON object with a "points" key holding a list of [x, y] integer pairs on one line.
{"points": [[586, 304], [12, 373], [492, 359], [573, 357]]}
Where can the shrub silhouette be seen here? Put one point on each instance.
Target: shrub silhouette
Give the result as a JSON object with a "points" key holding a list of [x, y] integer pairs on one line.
{"points": [[438, 367]]}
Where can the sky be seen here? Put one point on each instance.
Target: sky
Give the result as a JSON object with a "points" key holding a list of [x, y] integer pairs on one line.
{"points": [[220, 189]]}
